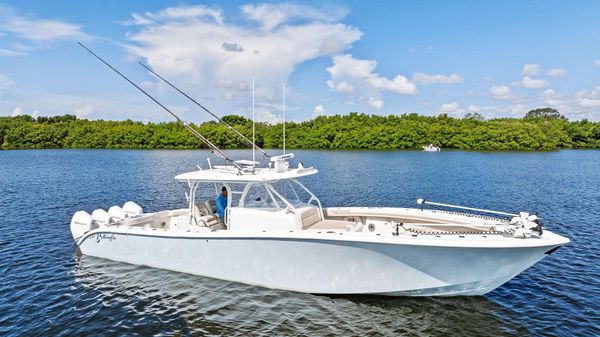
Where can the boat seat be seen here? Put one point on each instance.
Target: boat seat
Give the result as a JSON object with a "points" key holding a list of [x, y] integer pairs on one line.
{"points": [[333, 224], [211, 206], [309, 217]]}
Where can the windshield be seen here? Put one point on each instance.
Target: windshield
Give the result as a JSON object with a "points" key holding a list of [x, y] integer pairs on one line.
{"points": [[258, 196], [293, 193]]}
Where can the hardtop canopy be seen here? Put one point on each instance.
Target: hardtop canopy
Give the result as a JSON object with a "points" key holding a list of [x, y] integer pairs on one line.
{"points": [[231, 174]]}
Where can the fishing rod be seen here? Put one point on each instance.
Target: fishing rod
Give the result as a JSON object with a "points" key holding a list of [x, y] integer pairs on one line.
{"points": [[213, 147], [248, 141]]}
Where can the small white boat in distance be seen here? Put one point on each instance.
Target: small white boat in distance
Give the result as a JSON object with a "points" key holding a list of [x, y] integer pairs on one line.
{"points": [[276, 234], [431, 148]]}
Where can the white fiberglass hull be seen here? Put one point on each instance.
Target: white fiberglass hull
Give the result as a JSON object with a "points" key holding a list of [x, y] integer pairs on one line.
{"points": [[325, 263]]}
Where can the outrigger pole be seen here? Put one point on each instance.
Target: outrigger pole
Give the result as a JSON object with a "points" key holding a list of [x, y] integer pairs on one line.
{"points": [[248, 141], [213, 147]]}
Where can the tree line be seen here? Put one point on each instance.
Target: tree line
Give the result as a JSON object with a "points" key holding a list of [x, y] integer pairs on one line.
{"points": [[540, 129]]}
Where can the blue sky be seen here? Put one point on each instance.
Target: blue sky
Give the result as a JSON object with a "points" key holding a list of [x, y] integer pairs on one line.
{"points": [[499, 58]]}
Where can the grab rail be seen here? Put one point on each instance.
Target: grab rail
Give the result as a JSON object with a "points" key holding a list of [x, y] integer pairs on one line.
{"points": [[422, 202]]}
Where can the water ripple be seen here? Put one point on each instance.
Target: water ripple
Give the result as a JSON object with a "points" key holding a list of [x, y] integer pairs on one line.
{"points": [[46, 288]]}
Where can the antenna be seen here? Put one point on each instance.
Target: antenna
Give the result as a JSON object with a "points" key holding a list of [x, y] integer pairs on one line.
{"points": [[213, 147], [248, 142], [253, 130], [283, 89]]}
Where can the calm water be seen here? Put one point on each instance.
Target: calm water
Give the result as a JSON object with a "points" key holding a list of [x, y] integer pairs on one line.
{"points": [[47, 289]]}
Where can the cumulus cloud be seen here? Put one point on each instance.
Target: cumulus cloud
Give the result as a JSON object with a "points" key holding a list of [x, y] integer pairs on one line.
{"points": [[270, 42], [497, 111], [377, 104], [421, 78], [349, 74], [264, 114], [400, 84], [16, 112], [473, 108], [348, 66], [501, 92], [449, 107], [230, 84], [341, 86], [557, 72], [84, 111], [319, 110], [531, 83], [552, 98], [531, 69], [589, 99], [271, 16]]}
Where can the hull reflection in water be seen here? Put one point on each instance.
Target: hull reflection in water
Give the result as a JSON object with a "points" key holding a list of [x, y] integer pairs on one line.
{"points": [[196, 304]]}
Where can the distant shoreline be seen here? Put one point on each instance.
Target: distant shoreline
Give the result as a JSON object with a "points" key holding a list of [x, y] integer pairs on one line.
{"points": [[350, 132]]}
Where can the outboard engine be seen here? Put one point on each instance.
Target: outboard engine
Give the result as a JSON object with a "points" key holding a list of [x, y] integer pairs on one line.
{"points": [[81, 223], [132, 209]]}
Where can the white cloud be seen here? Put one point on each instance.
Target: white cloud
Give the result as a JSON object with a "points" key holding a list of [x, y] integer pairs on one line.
{"points": [[347, 66], [16, 112], [230, 84], [341, 86], [531, 83], [421, 78], [228, 96], [183, 12], [597, 62], [358, 73], [344, 87], [84, 111], [589, 102], [589, 99], [557, 72], [473, 108], [29, 33], [377, 104], [399, 84], [585, 104], [271, 16], [531, 69], [38, 30], [270, 42], [319, 110], [265, 115], [493, 111], [501, 92], [9, 53], [449, 107], [550, 97]]}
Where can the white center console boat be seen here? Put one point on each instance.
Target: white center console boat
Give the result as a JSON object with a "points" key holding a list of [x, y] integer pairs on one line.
{"points": [[275, 233]]}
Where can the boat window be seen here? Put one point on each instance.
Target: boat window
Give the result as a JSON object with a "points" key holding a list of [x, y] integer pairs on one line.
{"points": [[235, 191], [257, 196], [293, 193]]}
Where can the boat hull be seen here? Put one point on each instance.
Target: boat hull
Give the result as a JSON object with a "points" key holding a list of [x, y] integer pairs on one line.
{"points": [[322, 265]]}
